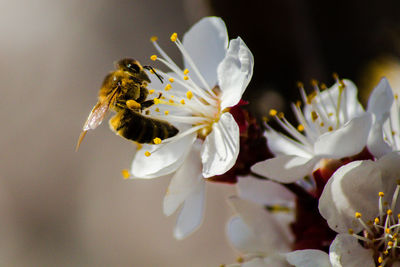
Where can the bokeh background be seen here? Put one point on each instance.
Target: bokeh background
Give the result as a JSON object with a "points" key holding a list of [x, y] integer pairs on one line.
{"points": [[62, 208]]}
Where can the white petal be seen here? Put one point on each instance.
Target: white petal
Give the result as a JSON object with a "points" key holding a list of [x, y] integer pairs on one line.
{"points": [[281, 144], [348, 140], [308, 258], [234, 72], [390, 168], [380, 100], [206, 42], [376, 143], [352, 105], [221, 147], [164, 159], [328, 101], [352, 188], [255, 230], [191, 215], [256, 262], [345, 251], [286, 168], [185, 181], [264, 192]]}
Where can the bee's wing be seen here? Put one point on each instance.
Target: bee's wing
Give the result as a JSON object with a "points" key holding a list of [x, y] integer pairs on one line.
{"points": [[96, 117]]}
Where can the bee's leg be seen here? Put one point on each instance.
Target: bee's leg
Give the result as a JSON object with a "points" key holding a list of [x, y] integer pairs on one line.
{"points": [[147, 104]]}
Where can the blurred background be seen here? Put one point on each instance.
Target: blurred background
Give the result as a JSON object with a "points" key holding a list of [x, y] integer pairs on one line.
{"points": [[62, 208]]}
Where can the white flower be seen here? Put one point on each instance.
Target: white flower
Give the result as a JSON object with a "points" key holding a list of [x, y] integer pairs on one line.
{"points": [[344, 251], [197, 100], [260, 235], [361, 199], [335, 125], [385, 132]]}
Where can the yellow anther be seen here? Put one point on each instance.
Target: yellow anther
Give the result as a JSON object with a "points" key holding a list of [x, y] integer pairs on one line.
{"points": [[167, 87], [314, 82], [300, 84], [174, 36], [314, 115], [323, 86], [330, 114], [298, 103], [172, 96], [125, 173], [387, 230], [396, 96], [322, 124], [330, 128], [166, 112], [171, 80], [153, 38], [273, 112], [386, 252], [185, 78], [380, 260], [300, 128], [376, 220], [393, 133], [222, 265], [147, 154], [138, 146], [186, 71], [381, 194], [151, 91], [171, 101], [132, 104], [240, 260], [157, 141], [311, 96], [156, 101], [281, 115], [358, 215], [189, 94], [335, 76], [390, 244], [351, 231], [152, 71], [153, 57], [157, 109], [389, 212], [183, 101]]}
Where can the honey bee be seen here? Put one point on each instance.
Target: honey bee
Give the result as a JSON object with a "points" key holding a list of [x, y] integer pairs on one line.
{"points": [[124, 91]]}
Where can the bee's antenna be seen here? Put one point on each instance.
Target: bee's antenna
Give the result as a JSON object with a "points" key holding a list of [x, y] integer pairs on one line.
{"points": [[158, 75]]}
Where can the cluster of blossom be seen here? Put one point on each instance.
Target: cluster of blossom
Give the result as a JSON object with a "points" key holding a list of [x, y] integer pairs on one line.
{"points": [[323, 194]]}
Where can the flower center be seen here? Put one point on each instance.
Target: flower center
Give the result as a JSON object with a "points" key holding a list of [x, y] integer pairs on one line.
{"points": [[382, 233], [324, 111]]}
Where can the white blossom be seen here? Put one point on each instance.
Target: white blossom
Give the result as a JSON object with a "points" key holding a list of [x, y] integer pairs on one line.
{"points": [[361, 198], [263, 237], [334, 124], [196, 99]]}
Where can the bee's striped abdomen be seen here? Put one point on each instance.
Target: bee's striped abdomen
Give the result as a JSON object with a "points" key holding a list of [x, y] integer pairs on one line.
{"points": [[134, 126]]}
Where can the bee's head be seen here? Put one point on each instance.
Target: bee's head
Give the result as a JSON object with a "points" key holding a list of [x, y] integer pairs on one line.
{"points": [[133, 66]]}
